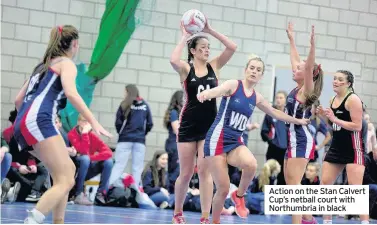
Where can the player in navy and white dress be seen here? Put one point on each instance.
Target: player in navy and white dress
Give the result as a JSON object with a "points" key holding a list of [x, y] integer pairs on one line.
{"points": [[300, 141], [301, 145], [224, 143], [196, 75], [348, 145], [38, 102]]}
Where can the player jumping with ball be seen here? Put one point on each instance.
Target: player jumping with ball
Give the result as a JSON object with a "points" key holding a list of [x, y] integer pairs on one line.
{"points": [[196, 75]]}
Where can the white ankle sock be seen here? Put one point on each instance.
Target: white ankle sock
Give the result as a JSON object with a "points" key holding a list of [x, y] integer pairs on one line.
{"points": [[365, 222], [327, 221]]}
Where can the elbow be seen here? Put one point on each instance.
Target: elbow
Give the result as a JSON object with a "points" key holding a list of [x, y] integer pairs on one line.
{"points": [[73, 97], [358, 127], [174, 61], [18, 103], [233, 47], [70, 96]]}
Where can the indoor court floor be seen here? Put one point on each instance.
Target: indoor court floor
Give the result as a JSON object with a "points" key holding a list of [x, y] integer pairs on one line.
{"points": [[16, 212]]}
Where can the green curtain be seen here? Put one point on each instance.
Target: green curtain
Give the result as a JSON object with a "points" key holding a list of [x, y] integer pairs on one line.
{"points": [[117, 26]]}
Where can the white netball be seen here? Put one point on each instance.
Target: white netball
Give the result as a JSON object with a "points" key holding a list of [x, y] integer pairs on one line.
{"points": [[193, 21]]}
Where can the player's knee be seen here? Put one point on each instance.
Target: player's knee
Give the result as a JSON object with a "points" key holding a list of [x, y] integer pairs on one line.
{"points": [[325, 181], [65, 182], [203, 172], [222, 190], [72, 169], [254, 166], [250, 166], [186, 175], [70, 183], [70, 176], [291, 178]]}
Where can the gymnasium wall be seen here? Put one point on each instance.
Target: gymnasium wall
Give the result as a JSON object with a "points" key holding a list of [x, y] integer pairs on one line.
{"points": [[346, 39]]}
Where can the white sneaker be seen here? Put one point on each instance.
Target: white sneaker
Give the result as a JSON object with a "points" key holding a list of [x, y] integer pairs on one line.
{"points": [[30, 220], [13, 192], [34, 217]]}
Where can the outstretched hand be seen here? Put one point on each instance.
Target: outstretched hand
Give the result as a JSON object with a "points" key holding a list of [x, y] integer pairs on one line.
{"points": [[303, 122], [202, 96], [99, 130], [312, 36], [289, 31]]}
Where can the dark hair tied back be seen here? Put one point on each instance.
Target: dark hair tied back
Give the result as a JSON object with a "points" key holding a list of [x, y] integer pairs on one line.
{"points": [[349, 76]]}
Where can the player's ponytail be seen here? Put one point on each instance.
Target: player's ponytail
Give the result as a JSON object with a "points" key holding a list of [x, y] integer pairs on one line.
{"points": [[52, 47], [60, 41], [313, 96], [271, 167]]}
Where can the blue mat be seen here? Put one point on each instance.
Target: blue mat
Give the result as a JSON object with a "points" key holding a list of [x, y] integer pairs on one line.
{"points": [[16, 213]]}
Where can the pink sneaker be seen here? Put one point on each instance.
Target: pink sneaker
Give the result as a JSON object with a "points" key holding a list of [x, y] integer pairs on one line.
{"points": [[239, 205], [204, 221], [178, 219]]}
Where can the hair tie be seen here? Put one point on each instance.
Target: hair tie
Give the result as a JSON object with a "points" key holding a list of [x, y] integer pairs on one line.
{"points": [[318, 68], [60, 29]]}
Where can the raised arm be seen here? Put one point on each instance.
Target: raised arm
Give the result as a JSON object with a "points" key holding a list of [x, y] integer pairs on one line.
{"points": [[295, 57], [354, 106], [230, 47], [267, 108], [225, 89], [179, 65], [309, 66]]}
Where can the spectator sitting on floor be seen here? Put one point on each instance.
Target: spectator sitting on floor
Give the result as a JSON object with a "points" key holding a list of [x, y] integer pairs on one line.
{"points": [[94, 157], [71, 150], [255, 197], [171, 123], [59, 125], [155, 179], [310, 178], [6, 160], [311, 175], [27, 173]]}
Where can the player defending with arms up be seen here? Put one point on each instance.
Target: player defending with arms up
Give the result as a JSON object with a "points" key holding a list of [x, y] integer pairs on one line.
{"points": [[301, 145]]}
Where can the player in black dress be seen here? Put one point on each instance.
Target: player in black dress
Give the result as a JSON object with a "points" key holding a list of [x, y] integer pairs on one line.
{"points": [[196, 118], [347, 146]]}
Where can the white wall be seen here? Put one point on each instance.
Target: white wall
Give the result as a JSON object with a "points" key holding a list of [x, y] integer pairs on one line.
{"points": [[346, 39]]}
